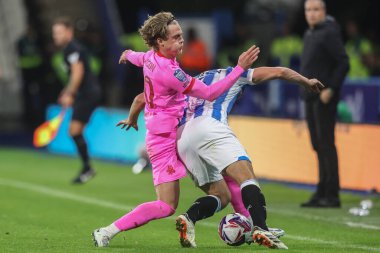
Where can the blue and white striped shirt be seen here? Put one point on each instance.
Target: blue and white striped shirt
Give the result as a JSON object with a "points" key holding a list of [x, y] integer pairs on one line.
{"points": [[221, 107]]}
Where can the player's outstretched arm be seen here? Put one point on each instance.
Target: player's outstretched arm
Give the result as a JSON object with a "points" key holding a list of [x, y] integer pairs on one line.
{"points": [[136, 58], [263, 74], [136, 107]]}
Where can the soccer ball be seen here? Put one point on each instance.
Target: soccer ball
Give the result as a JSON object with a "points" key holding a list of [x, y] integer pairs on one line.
{"points": [[233, 228]]}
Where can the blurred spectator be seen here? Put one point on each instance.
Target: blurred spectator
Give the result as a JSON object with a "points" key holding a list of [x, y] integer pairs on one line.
{"points": [[286, 49], [195, 57], [324, 58], [360, 52], [31, 65]]}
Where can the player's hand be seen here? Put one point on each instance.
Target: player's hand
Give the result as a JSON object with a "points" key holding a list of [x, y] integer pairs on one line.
{"points": [[315, 85], [326, 95], [123, 57], [128, 123], [247, 58]]}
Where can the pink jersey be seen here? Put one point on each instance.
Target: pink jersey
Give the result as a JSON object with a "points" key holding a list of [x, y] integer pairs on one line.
{"points": [[164, 87], [165, 84]]}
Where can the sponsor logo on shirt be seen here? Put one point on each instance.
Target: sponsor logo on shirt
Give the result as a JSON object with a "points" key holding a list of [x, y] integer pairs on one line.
{"points": [[180, 75]]}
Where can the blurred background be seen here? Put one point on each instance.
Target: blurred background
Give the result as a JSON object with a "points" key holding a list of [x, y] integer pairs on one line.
{"points": [[31, 78]]}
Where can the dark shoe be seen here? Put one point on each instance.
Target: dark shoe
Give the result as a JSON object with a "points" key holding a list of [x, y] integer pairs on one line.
{"points": [[313, 202], [84, 176], [330, 202], [322, 203]]}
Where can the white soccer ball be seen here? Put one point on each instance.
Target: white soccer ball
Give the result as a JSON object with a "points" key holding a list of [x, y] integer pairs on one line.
{"points": [[233, 228]]}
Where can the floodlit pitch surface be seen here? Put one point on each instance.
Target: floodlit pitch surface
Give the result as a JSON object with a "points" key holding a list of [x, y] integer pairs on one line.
{"points": [[40, 211]]}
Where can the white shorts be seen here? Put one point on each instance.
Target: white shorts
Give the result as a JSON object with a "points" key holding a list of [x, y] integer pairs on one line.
{"points": [[206, 146]]}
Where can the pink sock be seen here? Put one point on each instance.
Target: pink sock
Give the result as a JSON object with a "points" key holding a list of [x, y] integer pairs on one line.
{"points": [[236, 200], [144, 213]]}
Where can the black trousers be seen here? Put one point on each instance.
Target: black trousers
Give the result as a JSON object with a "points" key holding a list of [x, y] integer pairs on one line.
{"points": [[321, 119]]}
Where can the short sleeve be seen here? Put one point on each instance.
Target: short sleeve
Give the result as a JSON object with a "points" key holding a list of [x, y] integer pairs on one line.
{"points": [[247, 77], [73, 54], [73, 57]]}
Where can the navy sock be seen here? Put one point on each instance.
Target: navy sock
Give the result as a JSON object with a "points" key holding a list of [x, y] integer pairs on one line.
{"points": [[81, 144], [203, 208], [254, 201]]}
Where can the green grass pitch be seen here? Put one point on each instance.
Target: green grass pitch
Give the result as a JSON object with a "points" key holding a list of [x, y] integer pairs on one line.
{"points": [[40, 211]]}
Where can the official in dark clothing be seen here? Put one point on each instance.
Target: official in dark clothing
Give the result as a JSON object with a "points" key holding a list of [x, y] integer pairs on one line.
{"points": [[324, 58], [82, 92]]}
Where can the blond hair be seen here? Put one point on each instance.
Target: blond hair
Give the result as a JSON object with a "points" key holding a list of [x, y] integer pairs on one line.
{"points": [[156, 27]]}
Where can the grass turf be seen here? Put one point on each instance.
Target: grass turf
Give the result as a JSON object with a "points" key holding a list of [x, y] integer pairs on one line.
{"points": [[40, 211]]}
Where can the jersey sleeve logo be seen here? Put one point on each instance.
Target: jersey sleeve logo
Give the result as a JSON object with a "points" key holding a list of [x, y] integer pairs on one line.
{"points": [[180, 75]]}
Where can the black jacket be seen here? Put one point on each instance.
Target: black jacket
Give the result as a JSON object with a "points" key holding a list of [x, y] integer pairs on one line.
{"points": [[324, 56]]}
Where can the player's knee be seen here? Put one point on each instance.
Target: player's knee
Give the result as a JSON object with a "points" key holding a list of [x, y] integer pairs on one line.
{"points": [[240, 171]]}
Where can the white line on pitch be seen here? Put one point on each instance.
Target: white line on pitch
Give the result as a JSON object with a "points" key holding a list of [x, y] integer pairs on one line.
{"points": [[62, 194]]}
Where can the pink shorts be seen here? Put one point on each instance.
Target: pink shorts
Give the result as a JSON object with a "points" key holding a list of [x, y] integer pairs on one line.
{"points": [[162, 151]]}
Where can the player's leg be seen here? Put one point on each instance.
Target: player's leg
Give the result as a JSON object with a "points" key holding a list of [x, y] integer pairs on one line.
{"points": [[82, 110], [167, 169], [218, 197], [164, 206], [238, 206], [76, 132], [236, 199], [254, 201]]}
